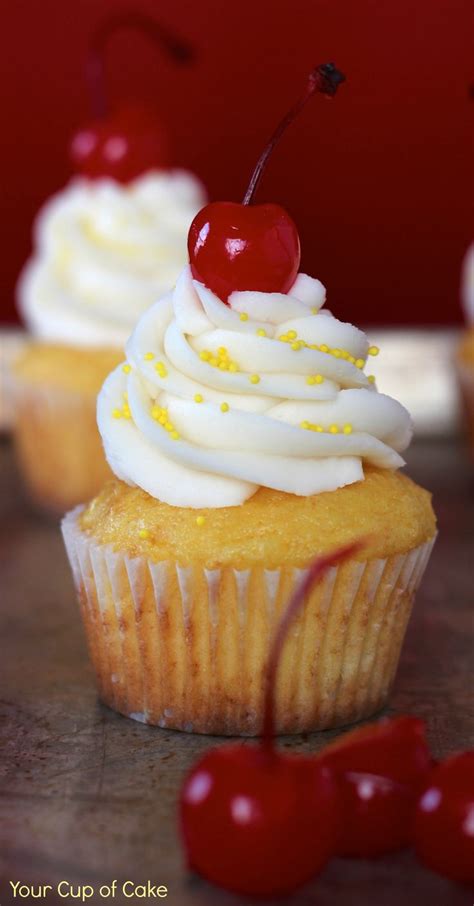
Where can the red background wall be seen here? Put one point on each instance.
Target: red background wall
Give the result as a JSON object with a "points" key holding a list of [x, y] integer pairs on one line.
{"points": [[379, 180]]}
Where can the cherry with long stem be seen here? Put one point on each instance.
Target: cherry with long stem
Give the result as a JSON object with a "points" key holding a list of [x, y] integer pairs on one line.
{"points": [[131, 140], [325, 79], [175, 47], [240, 247], [243, 806]]}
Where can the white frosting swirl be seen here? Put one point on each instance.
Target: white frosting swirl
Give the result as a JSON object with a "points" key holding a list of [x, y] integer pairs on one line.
{"points": [[198, 433], [104, 252]]}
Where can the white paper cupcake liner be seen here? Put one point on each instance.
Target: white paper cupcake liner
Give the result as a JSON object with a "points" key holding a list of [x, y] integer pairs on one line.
{"points": [[186, 647]]}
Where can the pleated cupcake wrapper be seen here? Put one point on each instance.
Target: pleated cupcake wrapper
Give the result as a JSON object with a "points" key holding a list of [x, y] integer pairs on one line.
{"points": [[185, 647]]}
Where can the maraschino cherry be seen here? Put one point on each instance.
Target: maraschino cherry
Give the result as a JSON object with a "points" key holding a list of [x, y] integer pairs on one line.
{"points": [[256, 821], [380, 770], [131, 140], [253, 247], [444, 819]]}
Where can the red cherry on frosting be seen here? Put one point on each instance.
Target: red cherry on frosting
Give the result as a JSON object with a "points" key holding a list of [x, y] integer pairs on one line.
{"points": [[124, 144], [444, 819], [380, 770], [256, 821], [237, 247], [253, 247]]}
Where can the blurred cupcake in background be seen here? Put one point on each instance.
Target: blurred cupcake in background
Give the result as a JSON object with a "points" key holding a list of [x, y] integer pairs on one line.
{"points": [[465, 350], [105, 248]]}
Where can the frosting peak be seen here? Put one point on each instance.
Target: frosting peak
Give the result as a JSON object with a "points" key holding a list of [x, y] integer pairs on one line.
{"points": [[104, 253], [217, 400]]}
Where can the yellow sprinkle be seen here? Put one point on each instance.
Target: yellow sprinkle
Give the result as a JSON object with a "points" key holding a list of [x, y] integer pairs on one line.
{"points": [[254, 379], [371, 378], [233, 367], [314, 310], [156, 412], [319, 379], [224, 407], [214, 361], [283, 337], [148, 356], [347, 429], [205, 355], [311, 379], [160, 367], [374, 350], [126, 412], [292, 334], [223, 366], [117, 413], [126, 369], [261, 332], [351, 359], [324, 348], [305, 425], [198, 398], [168, 426], [359, 363], [174, 435], [296, 346], [244, 316], [143, 533], [162, 419], [319, 429], [336, 353], [333, 429], [222, 351], [200, 520]]}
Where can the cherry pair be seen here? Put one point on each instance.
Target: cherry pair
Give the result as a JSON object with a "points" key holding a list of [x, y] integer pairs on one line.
{"points": [[262, 823]]}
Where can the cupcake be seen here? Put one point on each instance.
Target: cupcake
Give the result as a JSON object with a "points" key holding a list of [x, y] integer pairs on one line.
{"points": [[103, 253], [246, 437], [105, 248], [465, 350]]}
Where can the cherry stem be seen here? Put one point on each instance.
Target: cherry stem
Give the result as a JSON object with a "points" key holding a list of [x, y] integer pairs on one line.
{"points": [[318, 569], [325, 79], [179, 50]]}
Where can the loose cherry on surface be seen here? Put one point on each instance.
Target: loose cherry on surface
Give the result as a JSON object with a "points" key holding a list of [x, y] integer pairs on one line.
{"points": [[444, 819], [125, 143], [253, 247], [256, 821], [379, 770]]}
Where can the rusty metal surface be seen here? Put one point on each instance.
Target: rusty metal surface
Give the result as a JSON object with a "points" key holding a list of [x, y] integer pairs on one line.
{"points": [[88, 796]]}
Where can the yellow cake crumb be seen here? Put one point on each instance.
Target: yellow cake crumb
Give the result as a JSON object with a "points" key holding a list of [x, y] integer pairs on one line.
{"points": [[273, 528], [66, 367]]}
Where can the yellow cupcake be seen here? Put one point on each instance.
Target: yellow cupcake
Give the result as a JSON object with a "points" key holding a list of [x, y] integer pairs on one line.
{"points": [[228, 488], [103, 253]]}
